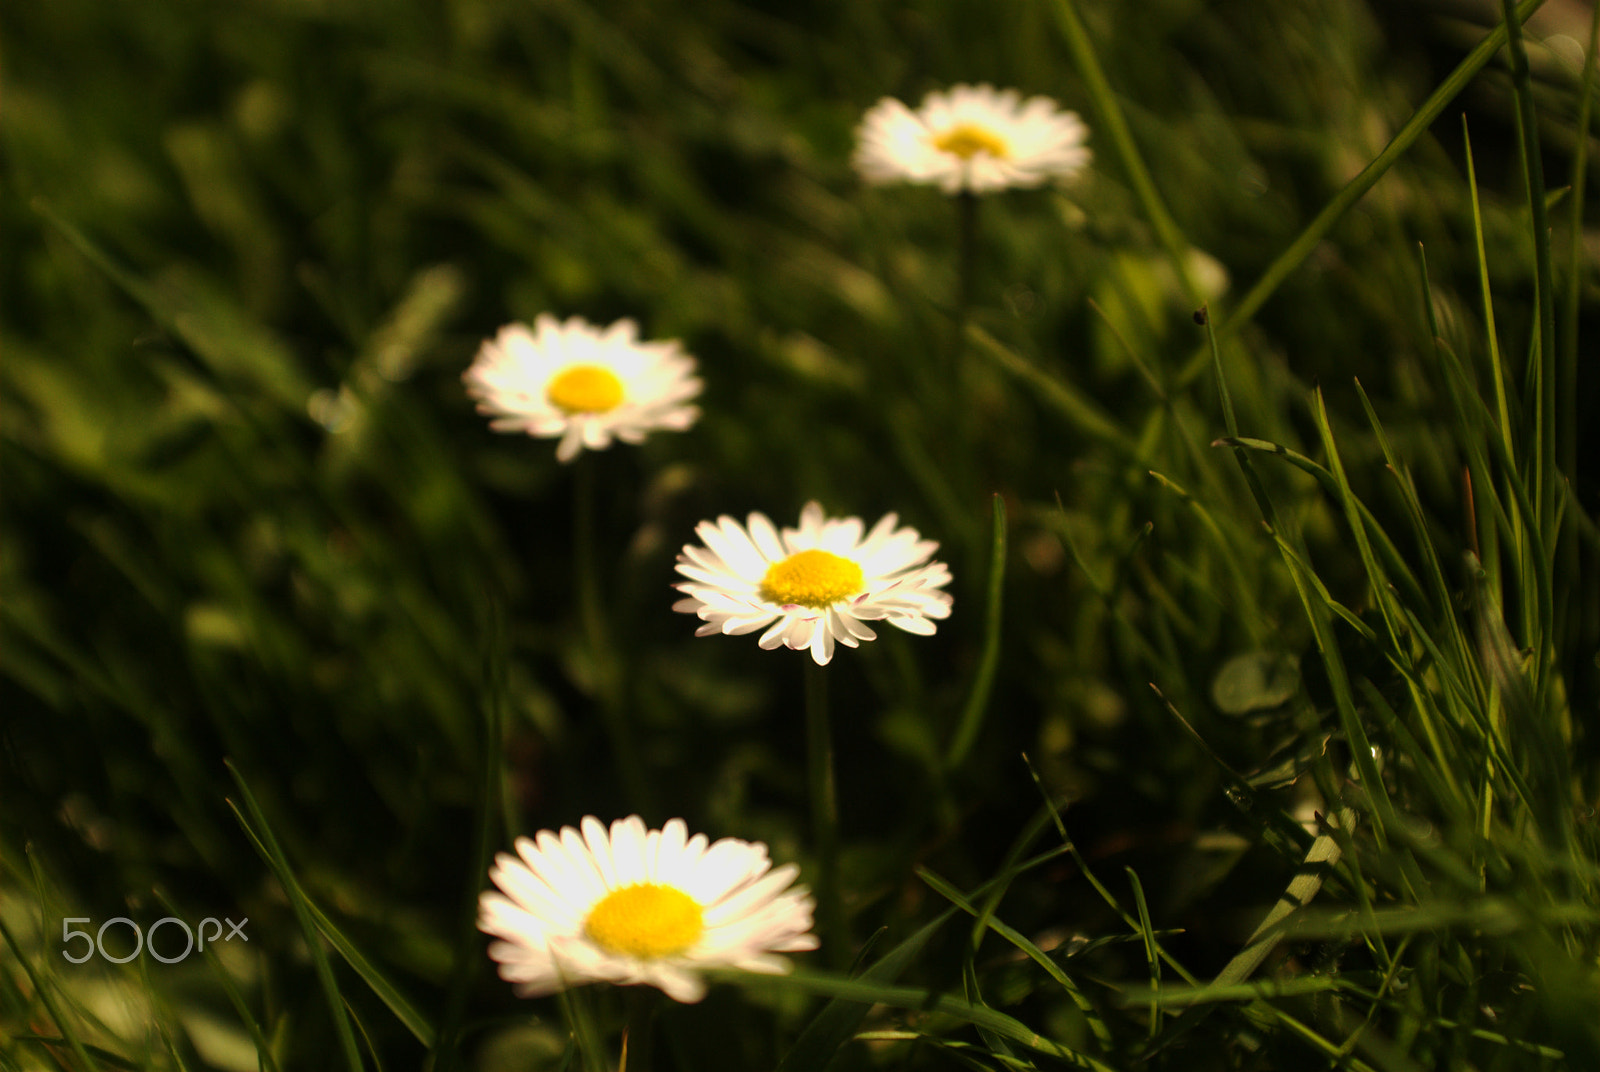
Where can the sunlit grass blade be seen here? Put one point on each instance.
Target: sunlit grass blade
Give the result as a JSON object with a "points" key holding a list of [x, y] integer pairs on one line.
{"points": [[1151, 956], [1534, 1048], [974, 990], [1319, 607], [1306, 583], [1320, 860], [1491, 336]]}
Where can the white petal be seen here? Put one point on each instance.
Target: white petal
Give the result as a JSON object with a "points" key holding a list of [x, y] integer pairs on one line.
{"points": [[765, 536], [822, 644], [628, 850]]}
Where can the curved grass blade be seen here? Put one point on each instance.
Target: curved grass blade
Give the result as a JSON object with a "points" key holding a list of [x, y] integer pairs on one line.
{"points": [[1187, 996], [267, 845], [1099, 887], [1105, 102], [230, 987], [1396, 567], [387, 992], [1152, 958], [868, 993], [1097, 1023], [817, 1045], [1081, 411], [837, 1023]]}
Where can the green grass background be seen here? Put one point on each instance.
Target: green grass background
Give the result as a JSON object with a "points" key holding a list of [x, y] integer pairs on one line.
{"points": [[250, 514]]}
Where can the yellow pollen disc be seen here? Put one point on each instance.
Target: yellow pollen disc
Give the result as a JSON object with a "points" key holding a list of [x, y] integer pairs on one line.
{"points": [[585, 389], [814, 579], [645, 921], [967, 141]]}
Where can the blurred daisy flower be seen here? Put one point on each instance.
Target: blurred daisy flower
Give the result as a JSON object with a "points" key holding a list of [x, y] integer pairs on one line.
{"points": [[632, 906], [583, 383], [970, 139], [813, 585]]}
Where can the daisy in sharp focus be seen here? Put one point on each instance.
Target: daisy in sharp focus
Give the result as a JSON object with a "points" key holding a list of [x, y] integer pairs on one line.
{"points": [[970, 139], [632, 906], [583, 383], [814, 585]]}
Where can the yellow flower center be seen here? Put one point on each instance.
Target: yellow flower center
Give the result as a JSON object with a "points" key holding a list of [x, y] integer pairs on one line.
{"points": [[814, 579], [645, 921], [585, 389], [967, 141]]}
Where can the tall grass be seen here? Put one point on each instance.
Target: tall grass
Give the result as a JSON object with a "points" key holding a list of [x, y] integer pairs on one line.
{"points": [[1261, 736]]}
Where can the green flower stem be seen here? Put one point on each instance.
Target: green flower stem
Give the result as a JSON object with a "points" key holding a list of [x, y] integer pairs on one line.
{"points": [[966, 293], [603, 661], [967, 250], [824, 815], [956, 411], [579, 1017], [983, 683]]}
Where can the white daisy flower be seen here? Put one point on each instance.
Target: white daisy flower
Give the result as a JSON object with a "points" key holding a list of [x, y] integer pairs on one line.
{"points": [[583, 383], [635, 906], [812, 585], [971, 138]]}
